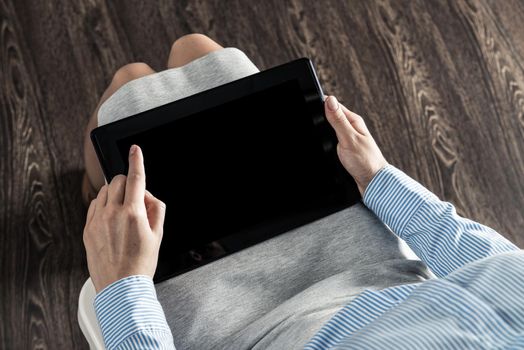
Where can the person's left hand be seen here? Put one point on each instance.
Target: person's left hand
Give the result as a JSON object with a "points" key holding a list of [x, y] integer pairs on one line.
{"points": [[124, 227]]}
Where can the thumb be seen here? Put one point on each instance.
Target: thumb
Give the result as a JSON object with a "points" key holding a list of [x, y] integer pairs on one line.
{"points": [[338, 120], [156, 212]]}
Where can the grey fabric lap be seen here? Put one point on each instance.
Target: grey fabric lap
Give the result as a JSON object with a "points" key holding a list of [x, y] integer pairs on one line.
{"points": [[277, 294]]}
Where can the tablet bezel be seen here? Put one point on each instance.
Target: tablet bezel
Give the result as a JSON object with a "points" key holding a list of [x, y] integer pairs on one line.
{"points": [[104, 138]]}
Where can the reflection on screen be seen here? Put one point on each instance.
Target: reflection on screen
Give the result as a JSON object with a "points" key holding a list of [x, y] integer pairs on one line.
{"points": [[235, 169]]}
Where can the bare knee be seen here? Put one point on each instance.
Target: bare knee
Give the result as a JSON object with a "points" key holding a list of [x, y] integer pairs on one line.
{"points": [[130, 72], [192, 40], [190, 47]]}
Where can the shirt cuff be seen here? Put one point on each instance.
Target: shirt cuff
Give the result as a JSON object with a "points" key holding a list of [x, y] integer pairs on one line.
{"points": [[127, 307], [395, 197]]}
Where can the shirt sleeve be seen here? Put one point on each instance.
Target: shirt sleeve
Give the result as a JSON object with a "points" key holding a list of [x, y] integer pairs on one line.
{"points": [[440, 237], [131, 317]]}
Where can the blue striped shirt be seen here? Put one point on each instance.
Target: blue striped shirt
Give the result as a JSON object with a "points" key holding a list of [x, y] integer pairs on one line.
{"points": [[477, 301]]}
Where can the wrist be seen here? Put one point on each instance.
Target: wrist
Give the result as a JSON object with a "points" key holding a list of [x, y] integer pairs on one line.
{"points": [[114, 283], [120, 310], [364, 180], [375, 178]]}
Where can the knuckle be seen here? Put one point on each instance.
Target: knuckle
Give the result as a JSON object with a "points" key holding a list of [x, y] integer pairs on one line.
{"points": [[133, 212], [133, 218], [118, 179], [109, 213], [102, 190], [136, 176], [357, 117], [339, 116]]}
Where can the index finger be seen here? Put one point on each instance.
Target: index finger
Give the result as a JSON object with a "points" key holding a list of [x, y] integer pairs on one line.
{"points": [[136, 177]]}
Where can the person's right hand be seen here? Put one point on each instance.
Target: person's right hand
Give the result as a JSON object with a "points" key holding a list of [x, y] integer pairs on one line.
{"points": [[356, 149], [124, 227]]}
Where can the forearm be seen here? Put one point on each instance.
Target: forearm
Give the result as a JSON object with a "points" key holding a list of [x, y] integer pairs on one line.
{"points": [[431, 227], [131, 317]]}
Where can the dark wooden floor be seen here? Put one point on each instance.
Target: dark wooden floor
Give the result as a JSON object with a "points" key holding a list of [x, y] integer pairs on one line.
{"points": [[441, 84]]}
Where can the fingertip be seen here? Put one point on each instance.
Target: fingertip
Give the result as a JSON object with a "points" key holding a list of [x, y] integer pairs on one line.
{"points": [[136, 161], [133, 150], [332, 104], [135, 155], [334, 113]]}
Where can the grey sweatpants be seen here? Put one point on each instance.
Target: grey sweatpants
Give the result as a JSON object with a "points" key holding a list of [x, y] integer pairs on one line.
{"points": [[279, 293]]}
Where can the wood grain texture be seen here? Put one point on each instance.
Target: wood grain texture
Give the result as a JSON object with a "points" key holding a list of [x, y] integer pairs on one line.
{"points": [[440, 84]]}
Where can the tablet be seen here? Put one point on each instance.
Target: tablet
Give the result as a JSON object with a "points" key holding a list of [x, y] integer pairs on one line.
{"points": [[235, 165]]}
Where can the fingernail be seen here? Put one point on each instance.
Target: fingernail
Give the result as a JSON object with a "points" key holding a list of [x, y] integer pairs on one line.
{"points": [[332, 103], [133, 150]]}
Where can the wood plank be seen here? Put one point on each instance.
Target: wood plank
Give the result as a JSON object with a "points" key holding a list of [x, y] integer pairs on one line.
{"points": [[34, 274], [68, 94], [440, 84]]}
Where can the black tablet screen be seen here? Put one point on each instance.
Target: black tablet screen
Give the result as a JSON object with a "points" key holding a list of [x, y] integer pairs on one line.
{"points": [[236, 170]]}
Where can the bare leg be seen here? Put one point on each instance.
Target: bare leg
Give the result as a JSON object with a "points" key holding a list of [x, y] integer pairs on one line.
{"points": [[190, 47], [184, 50], [94, 178]]}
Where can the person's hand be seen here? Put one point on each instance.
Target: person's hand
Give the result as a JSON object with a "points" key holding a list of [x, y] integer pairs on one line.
{"points": [[124, 227], [356, 149]]}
